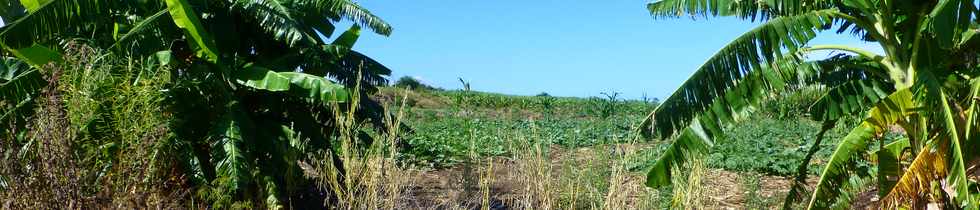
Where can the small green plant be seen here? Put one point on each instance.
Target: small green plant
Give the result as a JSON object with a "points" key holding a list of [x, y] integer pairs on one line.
{"points": [[751, 184], [466, 85], [604, 107]]}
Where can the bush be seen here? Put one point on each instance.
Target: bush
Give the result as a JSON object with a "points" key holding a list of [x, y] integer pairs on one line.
{"points": [[412, 83]]}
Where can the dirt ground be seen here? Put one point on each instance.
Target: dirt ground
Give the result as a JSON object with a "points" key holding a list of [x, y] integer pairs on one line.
{"points": [[450, 189]]}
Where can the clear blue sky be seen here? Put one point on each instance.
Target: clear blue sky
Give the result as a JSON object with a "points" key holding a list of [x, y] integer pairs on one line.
{"points": [[564, 48]]}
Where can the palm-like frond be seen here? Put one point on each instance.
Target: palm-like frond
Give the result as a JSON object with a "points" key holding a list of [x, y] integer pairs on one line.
{"points": [[148, 33], [18, 82], [849, 99], [927, 166], [10, 68], [19, 85], [699, 135], [337, 9], [851, 147], [229, 151], [276, 18], [57, 17], [759, 47], [949, 18], [957, 183], [347, 65], [745, 9], [692, 142]]}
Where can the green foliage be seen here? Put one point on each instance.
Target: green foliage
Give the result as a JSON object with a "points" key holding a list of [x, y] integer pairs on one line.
{"points": [[408, 82], [590, 107], [765, 145], [112, 114], [236, 124], [793, 103], [443, 135], [752, 183], [770, 146], [922, 42]]}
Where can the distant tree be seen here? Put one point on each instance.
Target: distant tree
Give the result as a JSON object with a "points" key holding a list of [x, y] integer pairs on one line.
{"points": [[543, 94], [412, 83]]}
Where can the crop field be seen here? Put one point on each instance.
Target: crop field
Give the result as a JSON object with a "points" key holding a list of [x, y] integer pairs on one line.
{"points": [[591, 144]]}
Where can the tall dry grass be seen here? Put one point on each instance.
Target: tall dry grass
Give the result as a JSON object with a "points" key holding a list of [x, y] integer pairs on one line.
{"points": [[94, 140], [370, 178], [537, 175]]}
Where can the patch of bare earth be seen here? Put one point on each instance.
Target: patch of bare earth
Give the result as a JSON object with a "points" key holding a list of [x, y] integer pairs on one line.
{"points": [[458, 187]]}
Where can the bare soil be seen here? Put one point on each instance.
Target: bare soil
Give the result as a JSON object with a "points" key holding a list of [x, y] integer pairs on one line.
{"points": [[457, 187]]}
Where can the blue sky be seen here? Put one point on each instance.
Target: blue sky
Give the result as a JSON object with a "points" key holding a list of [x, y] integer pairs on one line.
{"points": [[564, 48]]}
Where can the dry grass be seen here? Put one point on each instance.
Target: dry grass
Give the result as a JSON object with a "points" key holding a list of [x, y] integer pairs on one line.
{"points": [[50, 168], [370, 178], [537, 176]]}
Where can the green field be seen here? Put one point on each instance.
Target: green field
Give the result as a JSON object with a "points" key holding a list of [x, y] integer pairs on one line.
{"points": [[458, 129]]}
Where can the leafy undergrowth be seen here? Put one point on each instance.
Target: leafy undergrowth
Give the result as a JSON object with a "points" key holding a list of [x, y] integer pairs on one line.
{"points": [[448, 123], [773, 146], [590, 147]]}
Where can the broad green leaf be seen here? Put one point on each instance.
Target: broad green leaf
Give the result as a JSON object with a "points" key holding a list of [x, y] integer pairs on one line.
{"points": [[349, 37], [163, 57], [849, 99], [889, 165], [698, 137], [761, 10], [957, 176], [300, 84], [762, 47], [17, 93], [37, 55], [26, 84], [33, 5], [184, 17], [853, 146], [949, 19], [690, 144]]}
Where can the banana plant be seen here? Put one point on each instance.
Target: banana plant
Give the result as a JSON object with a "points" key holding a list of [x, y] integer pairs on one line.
{"points": [[253, 82], [924, 83]]}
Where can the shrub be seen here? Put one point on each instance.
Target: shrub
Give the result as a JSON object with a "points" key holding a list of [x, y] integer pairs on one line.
{"points": [[412, 83]]}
